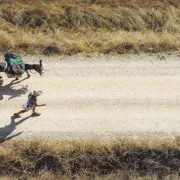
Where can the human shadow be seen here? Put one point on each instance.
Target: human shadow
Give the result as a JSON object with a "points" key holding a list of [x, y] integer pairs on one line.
{"points": [[8, 129], [10, 91]]}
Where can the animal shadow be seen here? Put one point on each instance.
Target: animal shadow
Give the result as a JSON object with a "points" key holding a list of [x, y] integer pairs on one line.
{"points": [[10, 91]]}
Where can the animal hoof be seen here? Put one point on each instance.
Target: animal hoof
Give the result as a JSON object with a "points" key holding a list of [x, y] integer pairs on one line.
{"points": [[0, 77], [17, 79]]}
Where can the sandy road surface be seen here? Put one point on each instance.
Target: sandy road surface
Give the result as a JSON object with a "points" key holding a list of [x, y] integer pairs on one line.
{"points": [[102, 97]]}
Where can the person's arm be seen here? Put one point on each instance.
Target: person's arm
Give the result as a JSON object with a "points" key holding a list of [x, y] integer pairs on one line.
{"points": [[40, 104], [34, 101]]}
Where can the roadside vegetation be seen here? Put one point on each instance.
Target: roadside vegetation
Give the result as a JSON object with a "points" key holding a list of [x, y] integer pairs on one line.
{"points": [[109, 160], [68, 27]]}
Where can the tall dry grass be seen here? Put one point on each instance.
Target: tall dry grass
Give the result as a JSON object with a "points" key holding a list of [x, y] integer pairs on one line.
{"points": [[117, 159], [71, 27], [120, 175]]}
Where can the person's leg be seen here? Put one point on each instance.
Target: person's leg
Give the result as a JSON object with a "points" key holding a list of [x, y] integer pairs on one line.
{"points": [[20, 112], [34, 109], [34, 113]]}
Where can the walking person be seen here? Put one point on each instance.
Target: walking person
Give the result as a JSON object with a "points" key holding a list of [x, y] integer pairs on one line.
{"points": [[31, 104]]}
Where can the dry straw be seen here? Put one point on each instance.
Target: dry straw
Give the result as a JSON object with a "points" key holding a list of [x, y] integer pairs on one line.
{"points": [[71, 27]]}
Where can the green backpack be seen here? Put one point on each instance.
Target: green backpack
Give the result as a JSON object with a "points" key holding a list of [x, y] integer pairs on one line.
{"points": [[15, 63]]}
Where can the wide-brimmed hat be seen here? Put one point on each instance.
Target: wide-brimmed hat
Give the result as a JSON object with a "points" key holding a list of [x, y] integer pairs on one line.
{"points": [[37, 93]]}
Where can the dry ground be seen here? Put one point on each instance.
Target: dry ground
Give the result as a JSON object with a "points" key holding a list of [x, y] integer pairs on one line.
{"points": [[97, 97]]}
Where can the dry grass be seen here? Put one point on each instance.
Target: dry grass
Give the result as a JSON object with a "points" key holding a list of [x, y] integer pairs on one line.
{"points": [[120, 175], [91, 159], [103, 26]]}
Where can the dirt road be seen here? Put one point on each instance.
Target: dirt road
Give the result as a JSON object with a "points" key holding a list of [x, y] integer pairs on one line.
{"points": [[101, 97]]}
